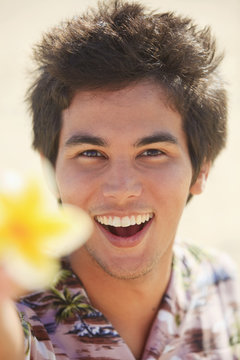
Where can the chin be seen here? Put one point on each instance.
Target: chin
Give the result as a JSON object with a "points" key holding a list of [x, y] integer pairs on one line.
{"points": [[124, 267]]}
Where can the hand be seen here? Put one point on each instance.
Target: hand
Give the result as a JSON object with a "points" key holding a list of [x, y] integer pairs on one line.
{"points": [[11, 333], [9, 289]]}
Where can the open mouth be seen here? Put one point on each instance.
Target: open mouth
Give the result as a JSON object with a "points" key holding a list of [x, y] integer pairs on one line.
{"points": [[126, 226]]}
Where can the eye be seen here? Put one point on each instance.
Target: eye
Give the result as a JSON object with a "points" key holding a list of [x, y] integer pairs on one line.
{"points": [[152, 152], [91, 153]]}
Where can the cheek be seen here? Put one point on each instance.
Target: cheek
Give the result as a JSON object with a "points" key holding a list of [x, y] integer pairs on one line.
{"points": [[73, 187], [171, 184]]}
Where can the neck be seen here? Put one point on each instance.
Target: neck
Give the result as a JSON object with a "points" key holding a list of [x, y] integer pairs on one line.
{"points": [[130, 305], [153, 284]]}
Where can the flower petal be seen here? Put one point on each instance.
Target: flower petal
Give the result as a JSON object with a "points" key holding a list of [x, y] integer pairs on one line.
{"points": [[34, 231], [29, 275], [79, 230]]}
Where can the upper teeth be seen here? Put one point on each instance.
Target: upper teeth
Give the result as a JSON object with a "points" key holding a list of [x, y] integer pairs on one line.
{"points": [[123, 221]]}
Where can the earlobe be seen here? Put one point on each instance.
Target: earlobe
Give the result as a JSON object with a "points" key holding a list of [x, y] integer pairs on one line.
{"points": [[200, 183]]}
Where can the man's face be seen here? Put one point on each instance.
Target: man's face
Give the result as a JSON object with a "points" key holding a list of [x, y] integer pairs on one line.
{"points": [[123, 158]]}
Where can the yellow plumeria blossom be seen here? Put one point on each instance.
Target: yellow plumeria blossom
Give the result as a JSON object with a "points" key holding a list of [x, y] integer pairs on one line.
{"points": [[34, 233]]}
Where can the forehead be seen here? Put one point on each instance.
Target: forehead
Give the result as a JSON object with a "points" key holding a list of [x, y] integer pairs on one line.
{"points": [[141, 107]]}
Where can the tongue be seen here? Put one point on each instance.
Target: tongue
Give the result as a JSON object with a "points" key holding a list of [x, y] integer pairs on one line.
{"points": [[125, 231]]}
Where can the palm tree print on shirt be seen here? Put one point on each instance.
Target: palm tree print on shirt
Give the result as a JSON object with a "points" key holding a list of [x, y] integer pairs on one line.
{"points": [[73, 307]]}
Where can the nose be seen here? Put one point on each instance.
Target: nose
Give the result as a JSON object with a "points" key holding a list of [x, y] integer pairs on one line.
{"points": [[122, 182]]}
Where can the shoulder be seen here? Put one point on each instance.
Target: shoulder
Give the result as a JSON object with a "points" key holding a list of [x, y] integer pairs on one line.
{"points": [[38, 305], [209, 274], [209, 281], [36, 336], [38, 314], [208, 266]]}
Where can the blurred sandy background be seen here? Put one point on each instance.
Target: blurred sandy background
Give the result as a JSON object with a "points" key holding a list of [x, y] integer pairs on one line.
{"points": [[211, 219]]}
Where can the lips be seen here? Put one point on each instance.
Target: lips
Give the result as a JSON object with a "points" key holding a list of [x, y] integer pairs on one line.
{"points": [[126, 226]]}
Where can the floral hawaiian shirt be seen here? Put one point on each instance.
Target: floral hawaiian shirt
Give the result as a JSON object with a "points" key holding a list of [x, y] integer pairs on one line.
{"points": [[199, 316]]}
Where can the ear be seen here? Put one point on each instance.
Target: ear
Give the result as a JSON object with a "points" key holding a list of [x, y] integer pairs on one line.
{"points": [[200, 183]]}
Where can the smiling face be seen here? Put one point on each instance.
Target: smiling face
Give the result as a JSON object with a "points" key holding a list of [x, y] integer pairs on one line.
{"points": [[123, 158]]}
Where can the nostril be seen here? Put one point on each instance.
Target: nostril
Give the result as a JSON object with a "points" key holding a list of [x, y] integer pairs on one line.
{"points": [[122, 190]]}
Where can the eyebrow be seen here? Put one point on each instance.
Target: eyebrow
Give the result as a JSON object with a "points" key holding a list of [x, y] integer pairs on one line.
{"points": [[80, 139], [156, 138], [85, 139]]}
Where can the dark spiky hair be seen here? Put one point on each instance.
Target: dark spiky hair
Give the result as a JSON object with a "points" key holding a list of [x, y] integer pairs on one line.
{"points": [[119, 43]]}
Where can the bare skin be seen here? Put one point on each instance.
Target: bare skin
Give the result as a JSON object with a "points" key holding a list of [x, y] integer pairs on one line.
{"points": [[130, 305], [140, 167], [11, 332], [124, 154]]}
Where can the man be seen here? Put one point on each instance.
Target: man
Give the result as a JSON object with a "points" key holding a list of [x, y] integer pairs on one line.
{"points": [[131, 111]]}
